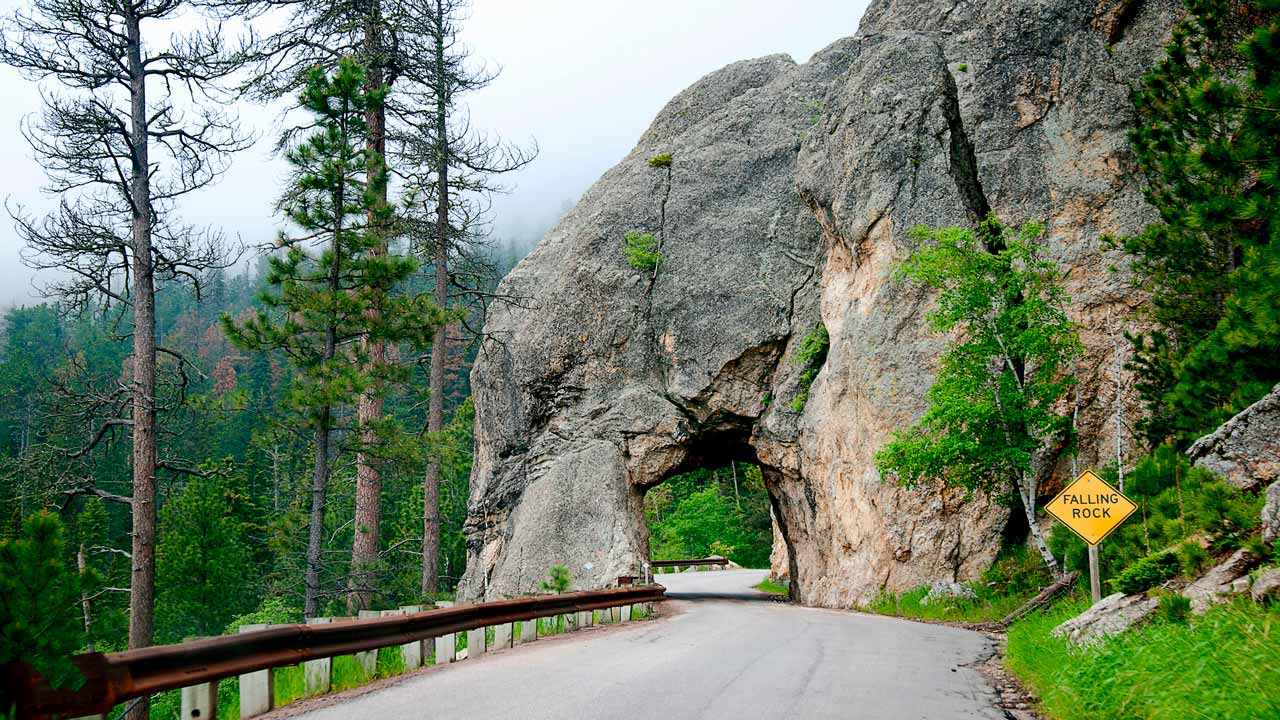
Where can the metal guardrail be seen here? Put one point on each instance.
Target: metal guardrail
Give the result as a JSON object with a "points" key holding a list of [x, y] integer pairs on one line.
{"points": [[113, 678], [682, 563]]}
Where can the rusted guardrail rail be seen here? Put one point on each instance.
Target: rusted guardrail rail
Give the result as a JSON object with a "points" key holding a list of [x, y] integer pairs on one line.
{"points": [[114, 678], [695, 562]]}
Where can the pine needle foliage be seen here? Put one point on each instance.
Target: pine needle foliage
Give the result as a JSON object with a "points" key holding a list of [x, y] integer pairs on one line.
{"points": [[40, 622], [348, 288], [1207, 141]]}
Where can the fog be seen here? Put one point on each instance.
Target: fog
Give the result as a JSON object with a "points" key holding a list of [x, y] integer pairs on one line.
{"points": [[580, 78]]}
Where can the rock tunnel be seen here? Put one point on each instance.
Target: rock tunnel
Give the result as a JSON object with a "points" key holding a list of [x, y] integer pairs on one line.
{"points": [[790, 197]]}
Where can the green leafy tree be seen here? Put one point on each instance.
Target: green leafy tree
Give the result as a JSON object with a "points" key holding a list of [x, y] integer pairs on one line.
{"points": [[39, 598], [992, 406], [324, 312], [1209, 116], [203, 564]]}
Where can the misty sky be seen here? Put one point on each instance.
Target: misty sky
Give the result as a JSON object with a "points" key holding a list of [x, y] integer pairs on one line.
{"points": [[582, 77]]}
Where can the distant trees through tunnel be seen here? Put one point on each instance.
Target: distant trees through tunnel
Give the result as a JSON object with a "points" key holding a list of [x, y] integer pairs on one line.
{"points": [[711, 511]]}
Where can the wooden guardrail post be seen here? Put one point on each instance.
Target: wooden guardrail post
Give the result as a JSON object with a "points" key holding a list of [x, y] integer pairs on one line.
{"points": [[367, 661], [476, 642], [446, 648], [317, 675], [528, 631], [198, 701], [257, 689], [416, 653], [502, 636]]}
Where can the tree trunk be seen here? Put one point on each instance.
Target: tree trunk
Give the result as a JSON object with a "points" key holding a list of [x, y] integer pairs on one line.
{"points": [[145, 453], [84, 599], [324, 423], [315, 538], [439, 345], [368, 513], [1027, 492]]}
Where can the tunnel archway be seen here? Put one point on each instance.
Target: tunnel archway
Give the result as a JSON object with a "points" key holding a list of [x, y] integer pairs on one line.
{"points": [[719, 498]]}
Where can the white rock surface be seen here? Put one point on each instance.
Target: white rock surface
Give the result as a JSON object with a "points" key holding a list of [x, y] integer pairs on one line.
{"points": [[1110, 616]]}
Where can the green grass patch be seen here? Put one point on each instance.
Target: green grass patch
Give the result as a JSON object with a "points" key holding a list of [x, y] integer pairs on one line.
{"points": [[1017, 574], [288, 684], [771, 587], [949, 609], [1224, 665], [347, 673]]}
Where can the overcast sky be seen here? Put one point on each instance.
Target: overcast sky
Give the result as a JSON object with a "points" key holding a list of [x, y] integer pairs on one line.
{"points": [[582, 77]]}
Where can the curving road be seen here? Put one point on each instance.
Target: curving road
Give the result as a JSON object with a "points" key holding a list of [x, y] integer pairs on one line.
{"points": [[722, 650]]}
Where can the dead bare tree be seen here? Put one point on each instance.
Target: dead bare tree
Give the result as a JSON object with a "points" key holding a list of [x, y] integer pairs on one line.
{"points": [[131, 130]]}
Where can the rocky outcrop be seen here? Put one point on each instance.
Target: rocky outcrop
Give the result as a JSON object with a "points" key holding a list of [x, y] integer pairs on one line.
{"points": [[1110, 616], [1266, 589], [1220, 582], [1271, 515], [790, 199], [1244, 450]]}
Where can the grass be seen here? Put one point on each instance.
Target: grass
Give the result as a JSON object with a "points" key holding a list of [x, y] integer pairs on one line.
{"points": [[981, 609], [1223, 665], [771, 587]]}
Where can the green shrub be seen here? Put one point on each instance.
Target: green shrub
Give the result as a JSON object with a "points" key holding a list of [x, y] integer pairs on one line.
{"points": [[1174, 607], [273, 610], [1018, 570], [812, 354], [1192, 558], [963, 67], [660, 160], [1147, 573], [642, 250]]}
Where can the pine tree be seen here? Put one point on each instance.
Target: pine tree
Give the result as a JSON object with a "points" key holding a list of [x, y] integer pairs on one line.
{"points": [[992, 408], [1208, 141], [202, 563], [39, 598], [323, 311]]}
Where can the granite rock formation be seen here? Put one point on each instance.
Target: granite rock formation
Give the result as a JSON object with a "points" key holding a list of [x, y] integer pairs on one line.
{"points": [[790, 198]]}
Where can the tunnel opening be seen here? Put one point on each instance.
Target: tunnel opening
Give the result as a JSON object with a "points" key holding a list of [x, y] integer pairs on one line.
{"points": [[716, 502]]}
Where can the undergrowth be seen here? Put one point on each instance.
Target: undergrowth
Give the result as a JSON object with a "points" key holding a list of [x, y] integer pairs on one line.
{"points": [[1017, 574], [1224, 665]]}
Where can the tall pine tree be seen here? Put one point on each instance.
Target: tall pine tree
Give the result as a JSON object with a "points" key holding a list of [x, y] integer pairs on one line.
{"points": [[1209, 143], [325, 311]]}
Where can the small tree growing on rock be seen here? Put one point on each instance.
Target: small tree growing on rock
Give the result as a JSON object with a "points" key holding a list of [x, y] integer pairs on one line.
{"points": [[993, 406], [559, 580]]}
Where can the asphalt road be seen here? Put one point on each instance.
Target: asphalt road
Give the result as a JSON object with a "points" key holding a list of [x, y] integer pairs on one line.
{"points": [[722, 650]]}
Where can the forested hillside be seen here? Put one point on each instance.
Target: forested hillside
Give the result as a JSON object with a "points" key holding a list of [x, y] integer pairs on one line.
{"points": [[233, 500]]}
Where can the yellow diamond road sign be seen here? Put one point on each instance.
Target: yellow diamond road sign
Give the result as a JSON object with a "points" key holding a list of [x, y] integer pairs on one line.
{"points": [[1091, 507]]}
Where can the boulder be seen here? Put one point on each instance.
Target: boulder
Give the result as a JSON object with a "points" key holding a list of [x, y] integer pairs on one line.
{"points": [[946, 590], [790, 199], [1212, 587], [1244, 450], [1266, 589], [1271, 515], [1110, 616]]}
